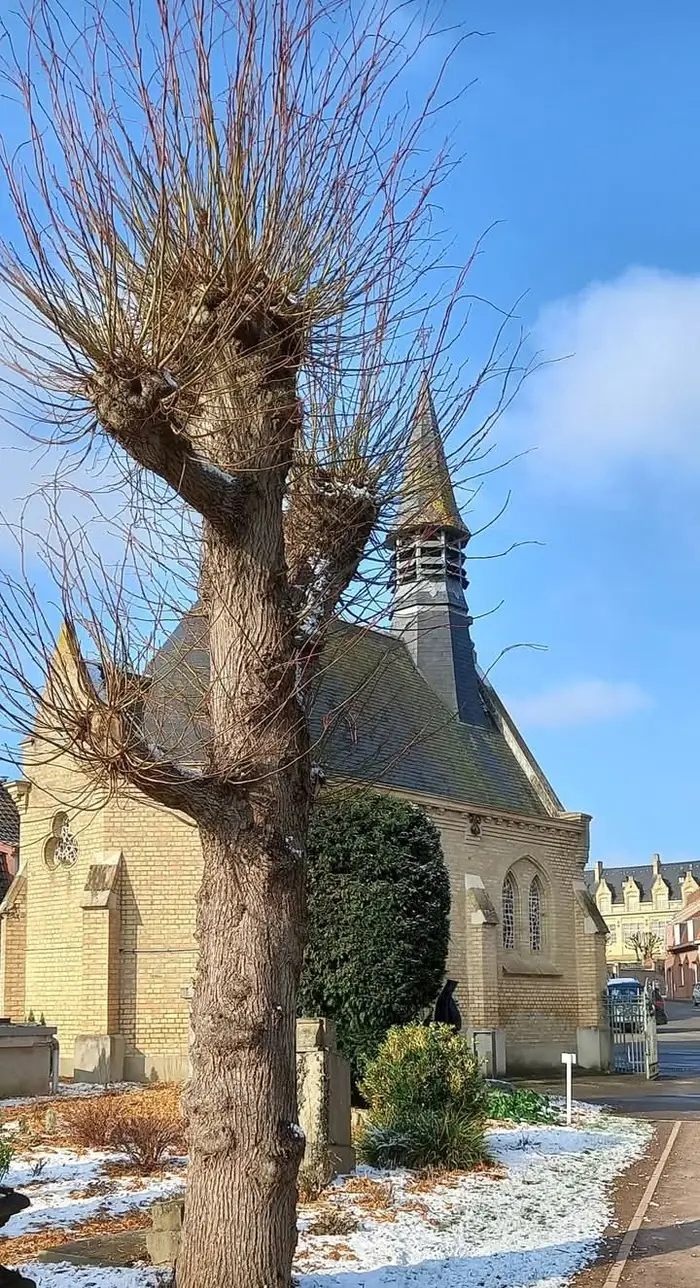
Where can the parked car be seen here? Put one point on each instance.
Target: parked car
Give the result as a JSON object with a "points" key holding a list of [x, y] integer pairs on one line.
{"points": [[630, 990], [623, 989], [696, 995], [627, 991]]}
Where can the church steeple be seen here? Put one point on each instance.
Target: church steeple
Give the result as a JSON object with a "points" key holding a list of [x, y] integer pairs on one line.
{"points": [[427, 498], [428, 538]]}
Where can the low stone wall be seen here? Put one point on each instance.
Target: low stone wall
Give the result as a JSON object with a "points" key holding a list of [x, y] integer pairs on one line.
{"points": [[28, 1060]]}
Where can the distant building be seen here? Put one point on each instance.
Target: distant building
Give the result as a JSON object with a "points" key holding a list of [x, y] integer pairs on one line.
{"points": [[683, 951], [641, 901]]}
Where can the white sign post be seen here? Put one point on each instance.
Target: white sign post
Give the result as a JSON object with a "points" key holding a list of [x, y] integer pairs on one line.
{"points": [[569, 1060]]}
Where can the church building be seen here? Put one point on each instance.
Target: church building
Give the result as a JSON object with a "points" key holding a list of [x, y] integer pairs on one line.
{"points": [[97, 925]]}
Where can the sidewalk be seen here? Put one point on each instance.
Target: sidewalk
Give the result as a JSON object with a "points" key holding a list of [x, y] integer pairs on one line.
{"points": [[666, 1249]]}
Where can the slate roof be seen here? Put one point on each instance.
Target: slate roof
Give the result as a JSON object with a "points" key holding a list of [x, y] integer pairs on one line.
{"points": [[672, 874], [9, 834], [374, 718], [9, 818]]}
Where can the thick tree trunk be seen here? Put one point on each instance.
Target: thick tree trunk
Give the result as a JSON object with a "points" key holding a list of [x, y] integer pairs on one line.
{"points": [[245, 1145], [245, 1148]]}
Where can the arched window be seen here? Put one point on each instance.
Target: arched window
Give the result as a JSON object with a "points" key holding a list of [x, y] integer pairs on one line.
{"points": [[535, 915], [508, 912]]}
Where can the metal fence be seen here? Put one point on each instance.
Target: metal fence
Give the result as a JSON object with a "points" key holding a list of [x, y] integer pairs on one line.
{"points": [[633, 1034]]}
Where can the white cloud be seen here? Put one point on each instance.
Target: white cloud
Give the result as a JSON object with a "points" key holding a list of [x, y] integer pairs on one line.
{"points": [[579, 702], [629, 390]]}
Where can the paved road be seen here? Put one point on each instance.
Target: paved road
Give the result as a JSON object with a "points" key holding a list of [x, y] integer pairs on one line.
{"points": [[676, 1092], [665, 1251], [679, 1042]]}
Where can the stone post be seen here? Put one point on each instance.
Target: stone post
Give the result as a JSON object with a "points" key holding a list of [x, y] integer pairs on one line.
{"points": [[483, 936], [323, 1088], [99, 1050]]}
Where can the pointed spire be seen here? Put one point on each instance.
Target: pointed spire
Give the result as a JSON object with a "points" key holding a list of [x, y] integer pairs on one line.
{"points": [[427, 499], [429, 611]]}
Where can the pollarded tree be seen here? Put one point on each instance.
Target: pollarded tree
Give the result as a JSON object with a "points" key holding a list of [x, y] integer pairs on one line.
{"points": [[647, 946], [215, 283], [379, 918]]}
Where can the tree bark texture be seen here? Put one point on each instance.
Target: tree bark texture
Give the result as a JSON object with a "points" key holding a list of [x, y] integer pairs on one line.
{"points": [[241, 1105]]}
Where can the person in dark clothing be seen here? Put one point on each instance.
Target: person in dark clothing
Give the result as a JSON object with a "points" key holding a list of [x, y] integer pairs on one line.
{"points": [[446, 1008]]}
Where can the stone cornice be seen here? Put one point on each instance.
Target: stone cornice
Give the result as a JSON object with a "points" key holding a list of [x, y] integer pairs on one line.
{"points": [[469, 816]]}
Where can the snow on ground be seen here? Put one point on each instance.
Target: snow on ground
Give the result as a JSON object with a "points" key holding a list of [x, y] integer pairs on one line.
{"points": [[532, 1224], [73, 1187], [534, 1229], [65, 1276]]}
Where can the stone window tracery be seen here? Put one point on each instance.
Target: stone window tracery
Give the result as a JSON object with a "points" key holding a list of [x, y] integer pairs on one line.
{"points": [[535, 915], [508, 912], [61, 849]]}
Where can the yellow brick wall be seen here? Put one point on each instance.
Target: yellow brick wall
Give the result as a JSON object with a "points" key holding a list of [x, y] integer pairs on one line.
{"points": [[54, 965], [160, 875], [529, 1007]]}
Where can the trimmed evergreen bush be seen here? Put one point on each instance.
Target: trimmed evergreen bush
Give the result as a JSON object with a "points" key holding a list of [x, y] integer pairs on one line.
{"points": [[379, 905], [427, 1099]]}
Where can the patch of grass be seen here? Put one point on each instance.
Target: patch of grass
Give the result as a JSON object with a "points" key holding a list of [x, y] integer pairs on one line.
{"points": [[7, 1153], [447, 1138], [521, 1106]]}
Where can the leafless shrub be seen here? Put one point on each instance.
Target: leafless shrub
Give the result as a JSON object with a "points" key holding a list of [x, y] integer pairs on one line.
{"points": [[315, 1175], [332, 1220], [92, 1122], [146, 1138]]}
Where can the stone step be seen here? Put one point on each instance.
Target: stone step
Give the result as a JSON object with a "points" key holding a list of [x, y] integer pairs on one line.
{"points": [[122, 1249]]}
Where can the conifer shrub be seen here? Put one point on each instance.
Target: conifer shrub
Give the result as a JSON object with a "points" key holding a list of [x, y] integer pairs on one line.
{"points": [[428, 1101], [379, 906]]}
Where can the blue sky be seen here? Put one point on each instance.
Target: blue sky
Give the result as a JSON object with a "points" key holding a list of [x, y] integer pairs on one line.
{"points": [[580, 140]]}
